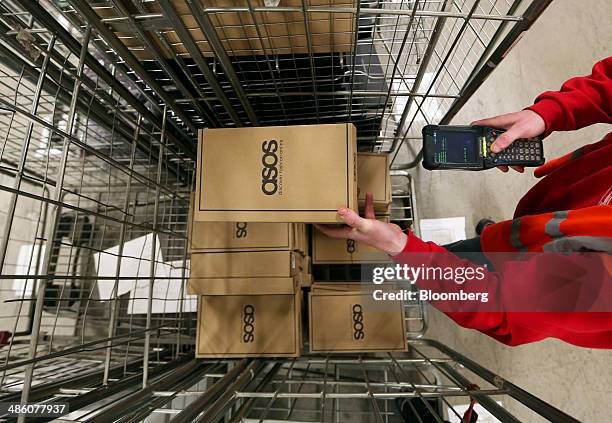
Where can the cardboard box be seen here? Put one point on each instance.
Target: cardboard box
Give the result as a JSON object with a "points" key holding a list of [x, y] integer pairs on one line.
{"points": [[241, 236], [276, 174], [305, 280], [307, 264], [339, 322], [228, 286], [326, 250], [305, 276], [168, 291], [243, 34], [318, 287], [251, 264], [306, 232], [135, 262], [373, 176], [297, 236], [249, 320], [301, 236]]}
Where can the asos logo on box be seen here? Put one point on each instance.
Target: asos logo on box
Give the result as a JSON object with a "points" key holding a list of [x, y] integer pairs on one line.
{"points": [[269, 171], [358, 333], [350, 246], [248, 323], [241, 229]]}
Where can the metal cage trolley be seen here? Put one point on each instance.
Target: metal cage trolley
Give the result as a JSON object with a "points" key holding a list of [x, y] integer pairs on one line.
{"points": [[100, 103]]}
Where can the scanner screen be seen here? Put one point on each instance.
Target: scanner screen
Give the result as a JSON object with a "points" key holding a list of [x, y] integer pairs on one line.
{"points": [[455, 147]]}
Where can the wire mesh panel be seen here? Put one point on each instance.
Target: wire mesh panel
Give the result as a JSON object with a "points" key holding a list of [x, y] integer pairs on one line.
{"points": [[435, 384], [95, 185], [100, 103], [389, 66]]}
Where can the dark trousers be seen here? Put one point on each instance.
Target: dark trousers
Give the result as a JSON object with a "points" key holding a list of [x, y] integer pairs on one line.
{"points": [[470, 249]]}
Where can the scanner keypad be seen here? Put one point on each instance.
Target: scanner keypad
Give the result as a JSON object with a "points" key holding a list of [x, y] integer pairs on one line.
{"points": [[522, 150]]}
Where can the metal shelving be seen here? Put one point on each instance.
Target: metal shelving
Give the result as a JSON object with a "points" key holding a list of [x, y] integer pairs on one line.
{"points": [[100, 102]]}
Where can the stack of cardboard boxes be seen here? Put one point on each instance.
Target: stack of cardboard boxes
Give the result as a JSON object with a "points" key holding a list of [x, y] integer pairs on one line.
{"points": [[256, 190], [248, 288], [248, 278]]}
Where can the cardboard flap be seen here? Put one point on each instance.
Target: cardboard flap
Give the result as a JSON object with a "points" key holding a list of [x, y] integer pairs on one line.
{"points": [[373, 176]]}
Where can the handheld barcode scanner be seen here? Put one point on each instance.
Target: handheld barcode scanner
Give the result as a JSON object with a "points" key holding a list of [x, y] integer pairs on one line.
{"points": [[469, 148]]}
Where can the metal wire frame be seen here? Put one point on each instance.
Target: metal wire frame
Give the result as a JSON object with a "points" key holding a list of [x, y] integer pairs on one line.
{"points": [[86, 164], [410, 62], [404, 212], [434, 379]]}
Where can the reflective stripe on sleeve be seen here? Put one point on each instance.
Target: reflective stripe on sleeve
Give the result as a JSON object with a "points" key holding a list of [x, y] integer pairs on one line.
{"points": [[515, 233], [553, 226]]}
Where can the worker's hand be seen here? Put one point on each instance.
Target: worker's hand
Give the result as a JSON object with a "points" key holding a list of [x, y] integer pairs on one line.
{"points": [[523, 124], [386, 237]]}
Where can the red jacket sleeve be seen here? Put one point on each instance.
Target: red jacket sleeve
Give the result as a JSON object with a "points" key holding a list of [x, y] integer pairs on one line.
{"points": [[431, 254], [545, 295], [582, 101]]}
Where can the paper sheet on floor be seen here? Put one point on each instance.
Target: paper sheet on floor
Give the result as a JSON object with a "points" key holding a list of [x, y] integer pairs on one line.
{"points": [[166, 291], [135, 262], [443, 231]]}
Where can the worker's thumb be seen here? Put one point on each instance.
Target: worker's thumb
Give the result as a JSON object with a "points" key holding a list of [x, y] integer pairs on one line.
{"points": [[504, 140], [351, 218]]}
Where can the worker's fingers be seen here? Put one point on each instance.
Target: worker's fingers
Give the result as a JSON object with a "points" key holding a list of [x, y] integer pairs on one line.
{"points": [[505, 139], [503, 168], [369, 206], [335, 231], [519, 169], [351, 218], [502, 121]]}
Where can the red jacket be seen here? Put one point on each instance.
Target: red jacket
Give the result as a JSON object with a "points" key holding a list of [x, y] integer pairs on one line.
{"points": [[577, 187]]}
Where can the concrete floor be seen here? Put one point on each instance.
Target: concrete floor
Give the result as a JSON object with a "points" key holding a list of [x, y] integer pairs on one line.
{"points": [[567, 40]]}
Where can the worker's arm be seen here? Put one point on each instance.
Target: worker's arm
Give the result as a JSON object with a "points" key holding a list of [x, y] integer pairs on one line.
{"points": [[391, 239], [398, 244], [545, 295], [582, 101], [517, 295], [489, 318]]}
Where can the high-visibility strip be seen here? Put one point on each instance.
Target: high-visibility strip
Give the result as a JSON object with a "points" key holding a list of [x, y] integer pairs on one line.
{"points": [[554, 229], [579, 243], [553, 226], [515, 233]]}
